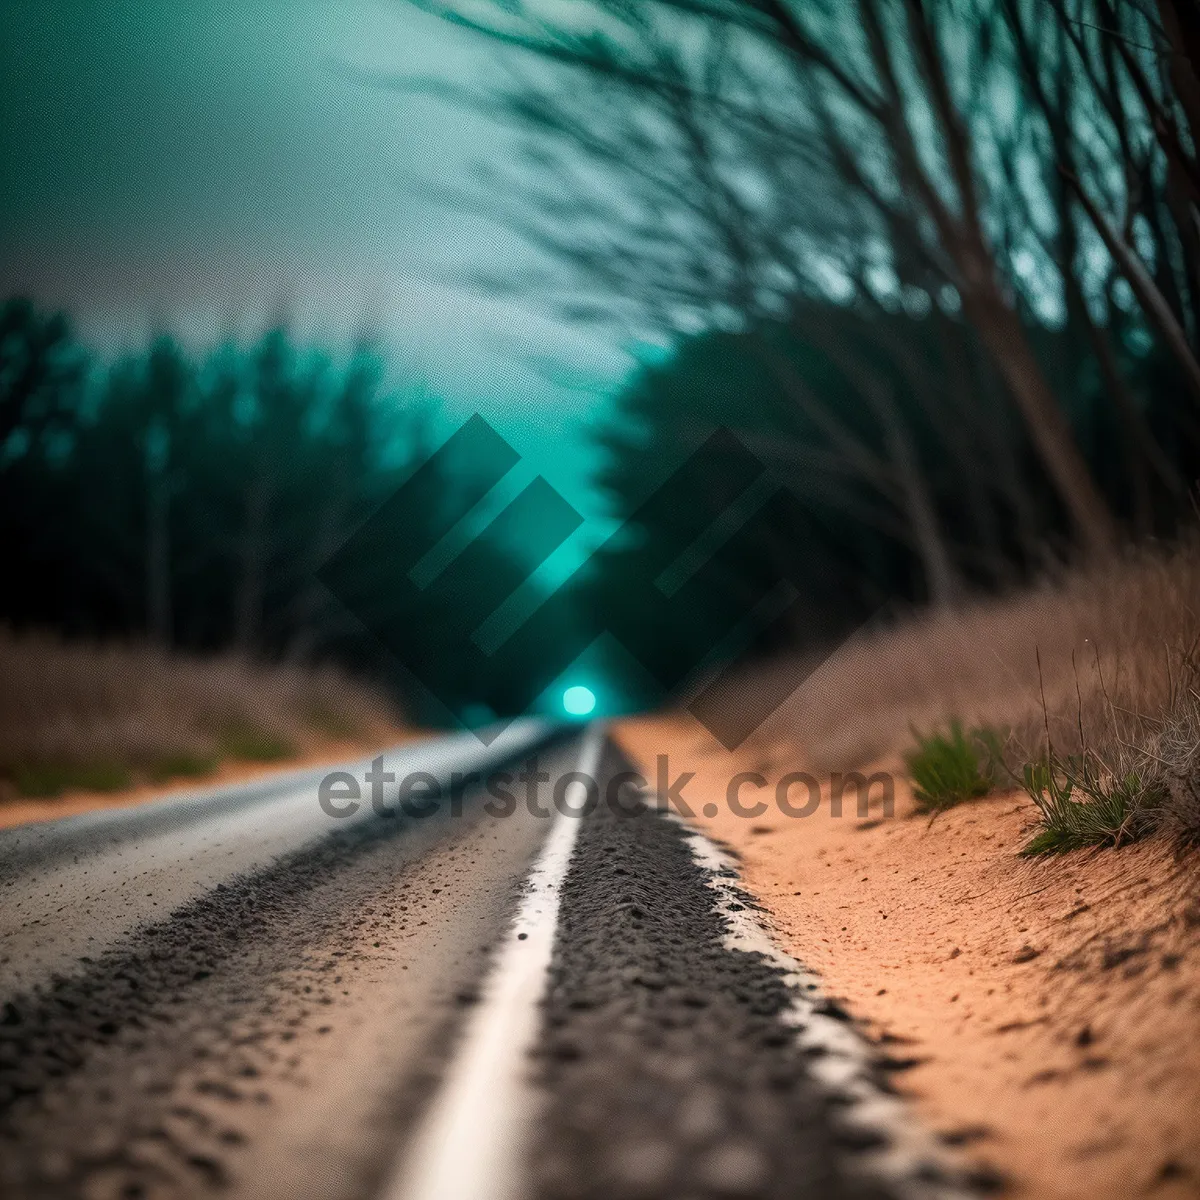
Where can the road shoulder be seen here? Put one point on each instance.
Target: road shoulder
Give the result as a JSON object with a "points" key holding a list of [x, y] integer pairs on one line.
{"points": [[1040, 1014], [28, 810]]}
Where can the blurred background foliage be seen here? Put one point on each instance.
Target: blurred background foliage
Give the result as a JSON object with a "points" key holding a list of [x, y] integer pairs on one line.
{"points": [[935, 262]]}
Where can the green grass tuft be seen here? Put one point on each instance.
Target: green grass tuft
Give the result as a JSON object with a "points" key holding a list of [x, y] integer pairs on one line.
{"points": [[254, 745], [333, 724], [181, 765], [1081, 805], [46, 779], [947, 769]]}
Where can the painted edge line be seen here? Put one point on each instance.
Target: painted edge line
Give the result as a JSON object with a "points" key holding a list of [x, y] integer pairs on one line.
{"points": [[908, 1160], [468, 1144]]}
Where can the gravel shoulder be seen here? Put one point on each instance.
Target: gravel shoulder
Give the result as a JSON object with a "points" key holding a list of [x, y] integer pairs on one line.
{"points": [[674, 1062], [1041, 1015], [229, 1002], [273, 1033]]}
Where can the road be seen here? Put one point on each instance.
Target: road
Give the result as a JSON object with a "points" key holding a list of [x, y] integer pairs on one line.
{"points": [[236, 993]]}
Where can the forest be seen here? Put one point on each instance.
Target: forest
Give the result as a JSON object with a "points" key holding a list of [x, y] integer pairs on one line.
{"points": [[935, 263]]}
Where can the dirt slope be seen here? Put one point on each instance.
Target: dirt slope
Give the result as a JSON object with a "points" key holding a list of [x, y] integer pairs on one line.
{"points": [[1041, 1013]]}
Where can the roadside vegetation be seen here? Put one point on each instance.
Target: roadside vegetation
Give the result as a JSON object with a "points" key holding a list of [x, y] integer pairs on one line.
{"points": [[1094, 677], [980, 384], [1081, 803], [76, 716], [948, 768]]}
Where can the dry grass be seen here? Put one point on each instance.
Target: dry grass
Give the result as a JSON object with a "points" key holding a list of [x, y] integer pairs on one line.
{"points": [[102, 717], [1176, 750], [1102, 664]]}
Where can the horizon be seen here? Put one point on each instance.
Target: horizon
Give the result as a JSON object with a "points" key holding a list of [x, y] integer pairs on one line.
{"points": [[138, 200]]}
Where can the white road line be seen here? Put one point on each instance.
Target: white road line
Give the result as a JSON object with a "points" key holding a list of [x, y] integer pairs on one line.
{"points": [[841, 1058], [468, 1147]]}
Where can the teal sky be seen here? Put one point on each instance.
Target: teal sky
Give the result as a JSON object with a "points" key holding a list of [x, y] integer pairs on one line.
{"points": [[200, 166]]}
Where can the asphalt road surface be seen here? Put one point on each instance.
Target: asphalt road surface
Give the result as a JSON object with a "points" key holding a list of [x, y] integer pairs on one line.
{"points": [[235, 993]]}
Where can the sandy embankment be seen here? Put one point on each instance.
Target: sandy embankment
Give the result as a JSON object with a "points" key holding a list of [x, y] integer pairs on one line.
{"points": [[1043, 1015]]}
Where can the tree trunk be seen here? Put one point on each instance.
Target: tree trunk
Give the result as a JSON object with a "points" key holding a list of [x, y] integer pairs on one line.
{"points": [[1153, 303], [963, 239], [941, 577], [248, 600], [158, 553], [1181, 21], [1002, 333], [309, 602]]}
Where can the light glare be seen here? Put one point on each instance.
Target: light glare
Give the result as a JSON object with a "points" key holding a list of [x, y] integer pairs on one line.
{"points": [[579, 700]]}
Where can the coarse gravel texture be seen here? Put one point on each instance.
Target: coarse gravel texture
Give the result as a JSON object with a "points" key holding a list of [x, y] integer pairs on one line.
{"points": [[666, 1067], [273, 1037], [279, 1034], [1044, 1011]]}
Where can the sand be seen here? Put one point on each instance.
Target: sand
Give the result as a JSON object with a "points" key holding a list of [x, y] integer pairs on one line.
{"points": [[1042, 1014]]}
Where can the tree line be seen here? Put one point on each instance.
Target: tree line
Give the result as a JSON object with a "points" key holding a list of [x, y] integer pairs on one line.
{"points": [[951, 243], [250, 499], [189, 499], [936, 262], [193, 500]]}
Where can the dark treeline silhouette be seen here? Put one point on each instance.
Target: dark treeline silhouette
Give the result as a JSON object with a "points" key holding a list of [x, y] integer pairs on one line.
{"points": [[192, 500], [907, 496], [936, 262], [951, 245], [189, 501]]}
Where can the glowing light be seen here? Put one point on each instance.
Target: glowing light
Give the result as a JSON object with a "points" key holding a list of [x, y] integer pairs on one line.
{"points": [[579, 700]]}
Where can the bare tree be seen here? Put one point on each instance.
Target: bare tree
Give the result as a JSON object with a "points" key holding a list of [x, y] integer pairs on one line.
{"points": [[727, 154]]}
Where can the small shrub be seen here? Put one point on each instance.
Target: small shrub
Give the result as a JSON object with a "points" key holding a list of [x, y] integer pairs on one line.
{"points": [[1177, 752], [254, 745], [1181, 810], [1081, 804], [45, 779], [333, 724], [181, 765], [947, 769]]}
